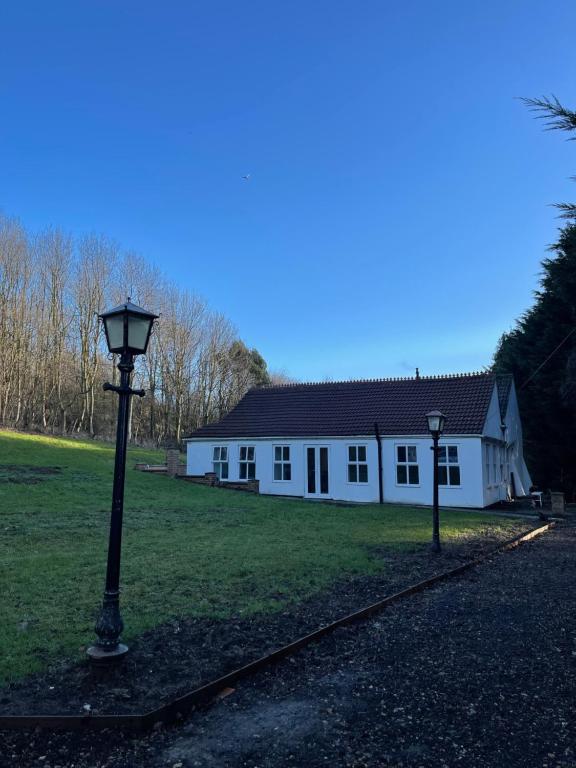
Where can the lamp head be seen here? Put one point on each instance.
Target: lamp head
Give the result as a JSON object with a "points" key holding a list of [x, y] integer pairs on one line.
{"points": [[128, 328], [435, 421]]}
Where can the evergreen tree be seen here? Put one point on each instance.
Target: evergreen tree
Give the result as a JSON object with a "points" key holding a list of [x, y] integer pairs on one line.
{"points": [[557, 118], [541, 350], [541, 353]]}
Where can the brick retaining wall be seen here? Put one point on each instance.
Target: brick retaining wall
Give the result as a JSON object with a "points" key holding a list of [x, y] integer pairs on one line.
{"points": [[250, 486]]}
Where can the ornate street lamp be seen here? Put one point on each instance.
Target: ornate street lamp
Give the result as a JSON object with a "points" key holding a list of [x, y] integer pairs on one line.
{"points": [[128, 330], [435, 421]]}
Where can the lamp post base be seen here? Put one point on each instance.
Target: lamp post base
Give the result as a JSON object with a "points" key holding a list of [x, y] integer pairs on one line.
{"points": [[103, 657]]}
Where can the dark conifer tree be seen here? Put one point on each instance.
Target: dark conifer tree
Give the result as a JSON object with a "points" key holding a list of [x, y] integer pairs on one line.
{"points": [[541, 350], [541, 353]]}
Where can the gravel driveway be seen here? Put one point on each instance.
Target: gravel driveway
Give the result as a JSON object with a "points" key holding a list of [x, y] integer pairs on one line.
{"points": [[479, 671]]}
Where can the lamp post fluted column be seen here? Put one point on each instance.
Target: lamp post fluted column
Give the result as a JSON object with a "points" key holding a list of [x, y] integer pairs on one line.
{"points": [[435, 511], [109, 625]]}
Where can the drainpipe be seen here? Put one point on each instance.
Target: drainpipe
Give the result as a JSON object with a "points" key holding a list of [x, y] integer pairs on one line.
{"points": [[505, 463], [380, 488]]}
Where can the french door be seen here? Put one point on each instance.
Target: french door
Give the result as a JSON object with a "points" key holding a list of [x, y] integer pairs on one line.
{"points": [[317, 474]]}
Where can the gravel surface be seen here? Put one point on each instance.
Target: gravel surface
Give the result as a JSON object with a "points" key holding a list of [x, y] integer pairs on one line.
{"points": [[478, 672]]}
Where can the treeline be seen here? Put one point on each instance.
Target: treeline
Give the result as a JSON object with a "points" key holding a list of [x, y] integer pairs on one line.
{"points": [[541, 353], [53, 356], [541, 349]]}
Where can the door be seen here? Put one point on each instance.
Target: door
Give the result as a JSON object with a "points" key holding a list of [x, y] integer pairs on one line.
{"points": [[317, 473]]}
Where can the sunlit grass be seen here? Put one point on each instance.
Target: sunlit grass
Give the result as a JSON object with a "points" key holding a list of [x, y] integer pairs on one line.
{"points": [[188, 549]]}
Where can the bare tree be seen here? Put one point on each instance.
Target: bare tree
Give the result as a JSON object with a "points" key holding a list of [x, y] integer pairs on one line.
{"points": [[277, 378], [53, 258], [179, 337], [15, 332], [90, 289], [53, 359]]}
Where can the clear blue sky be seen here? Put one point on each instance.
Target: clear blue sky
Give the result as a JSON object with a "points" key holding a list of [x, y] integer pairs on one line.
{"points": [[398, 205]]}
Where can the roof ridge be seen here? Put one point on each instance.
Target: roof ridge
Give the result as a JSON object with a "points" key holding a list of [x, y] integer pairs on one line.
{"points": [[436, 377]]}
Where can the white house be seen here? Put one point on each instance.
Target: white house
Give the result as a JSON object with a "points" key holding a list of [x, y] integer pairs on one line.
{"points": [[367, 441]]}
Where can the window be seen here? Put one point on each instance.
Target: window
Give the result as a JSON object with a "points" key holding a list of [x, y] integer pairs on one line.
{"points": [[220, 461], [357, 464], [247, 463], [494, 463], [448, 465], [406, 465], [282, 464], [487, 449]]}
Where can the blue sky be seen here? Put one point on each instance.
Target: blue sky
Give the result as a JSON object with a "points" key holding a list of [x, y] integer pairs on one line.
{"points": [[399, 199]]}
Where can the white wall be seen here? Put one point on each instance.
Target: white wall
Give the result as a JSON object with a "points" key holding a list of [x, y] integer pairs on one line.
{"points": [[509, 449], [200, 461], [516, 451], [493, 423], [468, 494], [495, 487]]}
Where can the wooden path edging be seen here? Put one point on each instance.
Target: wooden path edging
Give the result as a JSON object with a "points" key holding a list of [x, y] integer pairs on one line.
{"points": [[178, 708]]}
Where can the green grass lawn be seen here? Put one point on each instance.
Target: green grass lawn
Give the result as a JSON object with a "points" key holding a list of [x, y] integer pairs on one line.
{"points": [[187, 550]]}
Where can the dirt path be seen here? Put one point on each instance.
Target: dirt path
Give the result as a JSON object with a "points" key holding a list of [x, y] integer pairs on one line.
{"points": [[479, 672]]}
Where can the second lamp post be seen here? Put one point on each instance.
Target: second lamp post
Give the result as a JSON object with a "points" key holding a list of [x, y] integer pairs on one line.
{"points": [[436, 427], [128, 329]]}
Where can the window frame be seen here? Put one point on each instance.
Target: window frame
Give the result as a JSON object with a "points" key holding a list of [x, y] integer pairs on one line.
{"points": [[247, 461], [281, 462], [357, 463], [220, 461], [448, 464], [406, 464]]}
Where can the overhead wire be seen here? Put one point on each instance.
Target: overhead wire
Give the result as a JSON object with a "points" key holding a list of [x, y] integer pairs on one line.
{"points": [[564, 340]]}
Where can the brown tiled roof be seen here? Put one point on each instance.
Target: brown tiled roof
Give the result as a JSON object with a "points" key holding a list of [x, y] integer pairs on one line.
{"points": [[348, 408]]}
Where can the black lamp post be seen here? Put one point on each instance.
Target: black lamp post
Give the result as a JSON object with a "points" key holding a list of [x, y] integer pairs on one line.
{"points": [[128, 330], [436, 427]]}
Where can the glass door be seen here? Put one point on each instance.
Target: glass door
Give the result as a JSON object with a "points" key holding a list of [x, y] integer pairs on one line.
{"points": [[317, 476]]}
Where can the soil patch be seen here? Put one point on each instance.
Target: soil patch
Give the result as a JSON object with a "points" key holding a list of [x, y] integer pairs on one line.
{"points": [[182, 654], [24, 474]]}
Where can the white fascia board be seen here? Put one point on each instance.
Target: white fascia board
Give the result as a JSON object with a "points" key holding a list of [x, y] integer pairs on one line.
{"points": [[372, 436]]}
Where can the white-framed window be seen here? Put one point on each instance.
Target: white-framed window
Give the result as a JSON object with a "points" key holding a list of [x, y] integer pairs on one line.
{"points": [[495, 476], [357, 464], [448, 465], [220, 461], [487, 457], [407, 472], [282, 463], [247, 465]]}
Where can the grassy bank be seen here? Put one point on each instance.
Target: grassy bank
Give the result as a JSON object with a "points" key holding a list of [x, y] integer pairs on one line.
{"points": [[188, 550]]}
